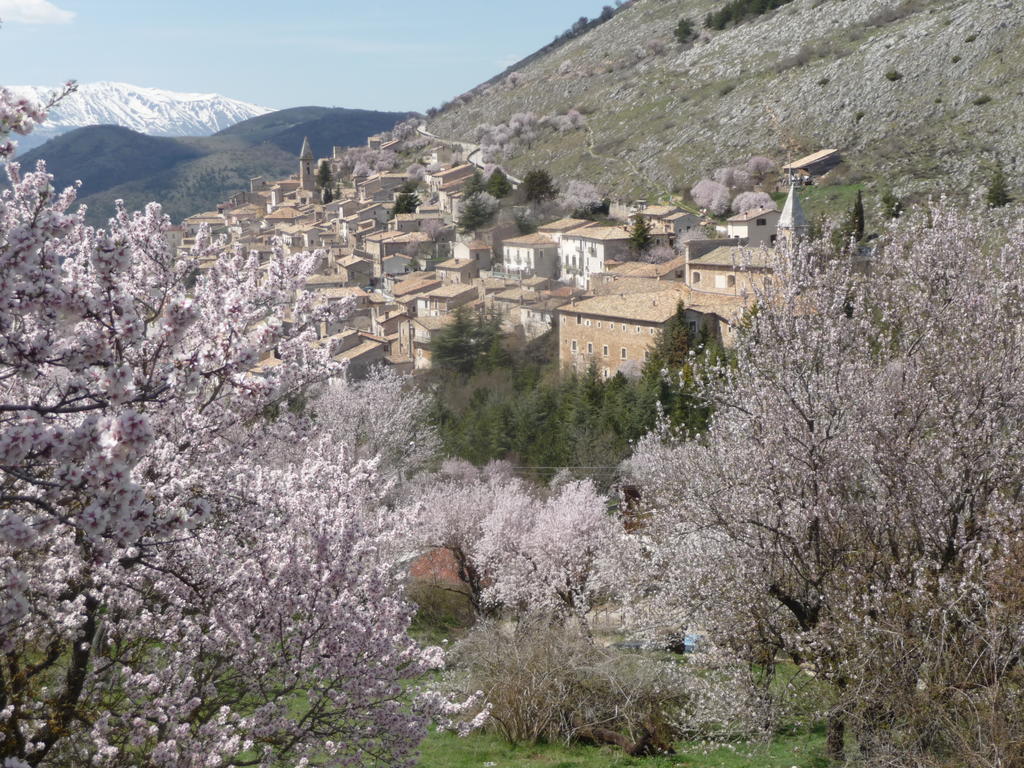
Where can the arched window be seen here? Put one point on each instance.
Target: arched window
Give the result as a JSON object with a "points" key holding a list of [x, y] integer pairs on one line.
{"points": [[695, 277]]}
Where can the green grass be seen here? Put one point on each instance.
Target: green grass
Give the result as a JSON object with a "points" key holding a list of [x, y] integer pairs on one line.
{"points": [[443, 750]]}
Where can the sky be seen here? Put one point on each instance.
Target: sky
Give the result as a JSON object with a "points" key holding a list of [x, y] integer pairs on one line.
{"points": [[376, 54]]}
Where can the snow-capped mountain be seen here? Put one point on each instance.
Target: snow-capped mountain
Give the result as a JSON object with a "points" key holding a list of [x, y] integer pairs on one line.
{"points": [[146, 110]]}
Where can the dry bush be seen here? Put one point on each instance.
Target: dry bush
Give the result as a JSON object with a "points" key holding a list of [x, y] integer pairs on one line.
{"points": [[549, 682]]}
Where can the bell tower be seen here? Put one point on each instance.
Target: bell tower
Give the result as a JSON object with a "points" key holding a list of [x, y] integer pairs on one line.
{"points": [[792, 223], [306, 177]]}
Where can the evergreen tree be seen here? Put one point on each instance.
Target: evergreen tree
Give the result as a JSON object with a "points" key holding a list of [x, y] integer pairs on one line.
{"points": [[477, 212], [640, 234], [857, 217], [537, 186], [474, 186], [684, 30], [324, 178], [498, 184], [406, 202], [998, 195], [325, 183], [892, 207], [468, 344], [672, 346]]}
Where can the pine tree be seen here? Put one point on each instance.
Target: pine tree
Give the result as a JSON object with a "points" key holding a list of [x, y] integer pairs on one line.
{"points": [[406, 202], [672, 345], [640, 234], [892, 207], [474, 186], [498, 184], [477, 212], [997, 195], [684, 30], [537, 186]]}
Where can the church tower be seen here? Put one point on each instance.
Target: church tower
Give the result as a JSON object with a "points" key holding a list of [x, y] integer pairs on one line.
{"points": [[792, 223], [306, 178]]}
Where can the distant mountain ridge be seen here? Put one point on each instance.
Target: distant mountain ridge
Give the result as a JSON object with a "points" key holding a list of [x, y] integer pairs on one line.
{"points": [[152, 111], [191, 174]]}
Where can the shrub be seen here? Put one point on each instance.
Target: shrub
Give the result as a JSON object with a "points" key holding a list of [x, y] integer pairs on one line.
{"points": [[823, 81], [893, 75], [858, 115], [684, 31], [739, 10], [955, 59], [550, 682], [981, 100], [971, 38]]}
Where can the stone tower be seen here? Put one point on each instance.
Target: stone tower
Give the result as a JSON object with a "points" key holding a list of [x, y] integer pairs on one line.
{"points": [[307, 179], [792, 223]]}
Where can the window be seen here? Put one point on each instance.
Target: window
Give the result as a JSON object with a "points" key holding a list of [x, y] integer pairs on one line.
{"points": [[767, 282], [647, 355], [731, 281], [762, 222], [605, 373], [639, 329], [622, 353], [587, 322], [579, 319], [590, 347], [651, 330], [574, 346], [604, 350], [695, 277], [623, 326], [693, 326], [563, 319], [598, 323]]}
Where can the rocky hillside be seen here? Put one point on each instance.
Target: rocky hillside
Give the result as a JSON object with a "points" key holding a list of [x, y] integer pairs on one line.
{"points": [[922, 95]]}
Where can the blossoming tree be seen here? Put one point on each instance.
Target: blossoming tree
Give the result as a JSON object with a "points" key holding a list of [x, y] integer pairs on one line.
{"points": [[189, 575], [856, 503]]}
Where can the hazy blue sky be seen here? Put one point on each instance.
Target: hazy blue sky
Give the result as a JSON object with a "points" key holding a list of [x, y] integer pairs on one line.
{"points": [[394, 55]]}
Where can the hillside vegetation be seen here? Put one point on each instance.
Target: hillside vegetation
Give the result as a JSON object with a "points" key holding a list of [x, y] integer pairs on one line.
{"points": [[922, 95], [187, 175]]}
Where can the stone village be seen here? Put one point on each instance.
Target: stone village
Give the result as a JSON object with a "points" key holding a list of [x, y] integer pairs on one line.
{"points": [[406, 274]]}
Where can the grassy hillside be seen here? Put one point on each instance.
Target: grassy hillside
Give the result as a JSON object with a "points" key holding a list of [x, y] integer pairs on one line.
{"points": [[187, 175], [923, 95]]}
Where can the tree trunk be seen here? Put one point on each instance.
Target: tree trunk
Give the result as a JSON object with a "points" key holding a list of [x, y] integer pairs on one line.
{"points": [[836, 738]]}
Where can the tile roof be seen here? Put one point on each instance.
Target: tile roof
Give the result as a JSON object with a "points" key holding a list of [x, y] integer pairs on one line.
{"points": [[287, 212], [814, 157], [536, 239], [406, 287], [451, 291], [564, 225], [600, 233], [434, 323], [753, 213], [734, 256], [455, 264]]}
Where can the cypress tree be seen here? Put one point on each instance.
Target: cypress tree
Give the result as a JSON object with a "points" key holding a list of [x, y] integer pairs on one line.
{"points": [[998, 195], [640, 234], [857, 217]]}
